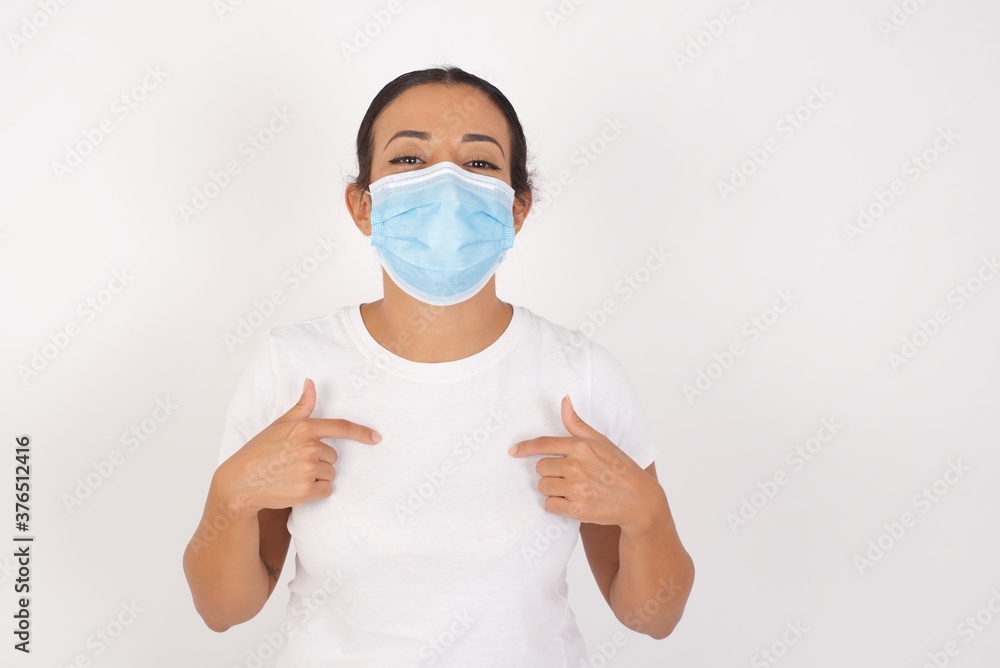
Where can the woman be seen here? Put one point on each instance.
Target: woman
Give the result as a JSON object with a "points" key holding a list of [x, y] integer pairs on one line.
{"points": [[419, 537]]}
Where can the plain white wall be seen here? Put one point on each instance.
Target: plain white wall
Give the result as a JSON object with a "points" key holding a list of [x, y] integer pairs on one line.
{"points": [[894, 72]]}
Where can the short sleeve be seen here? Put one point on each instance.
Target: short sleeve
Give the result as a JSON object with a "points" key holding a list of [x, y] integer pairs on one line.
{"points": [[252, 403], [615, 408]]}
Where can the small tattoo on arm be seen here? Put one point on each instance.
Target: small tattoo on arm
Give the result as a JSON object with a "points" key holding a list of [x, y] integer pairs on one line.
{"points": [[271, 570]]}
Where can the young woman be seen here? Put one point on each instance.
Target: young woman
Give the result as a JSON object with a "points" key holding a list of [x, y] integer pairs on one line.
{"points": [[472, 440]]}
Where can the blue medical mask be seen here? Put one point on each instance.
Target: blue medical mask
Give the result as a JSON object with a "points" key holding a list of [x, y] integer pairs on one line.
{"points": [[441, 232]]}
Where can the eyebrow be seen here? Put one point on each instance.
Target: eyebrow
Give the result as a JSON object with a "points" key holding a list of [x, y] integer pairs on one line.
{"points": [[419, 134]]}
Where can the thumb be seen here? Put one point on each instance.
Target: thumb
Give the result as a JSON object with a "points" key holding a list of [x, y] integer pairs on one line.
{"points": [[574, 424], [305, 406]]}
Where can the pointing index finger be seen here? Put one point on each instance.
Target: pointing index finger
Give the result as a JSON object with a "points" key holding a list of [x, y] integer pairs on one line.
{"points": [[543, 445], [340, 428]]}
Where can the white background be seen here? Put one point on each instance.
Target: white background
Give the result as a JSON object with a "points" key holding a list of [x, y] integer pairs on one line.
{"points": [[684, 128]]}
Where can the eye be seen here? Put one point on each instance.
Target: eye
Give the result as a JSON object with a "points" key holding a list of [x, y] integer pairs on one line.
{"points": [[476, 163], [485, 164], [404, 160]]}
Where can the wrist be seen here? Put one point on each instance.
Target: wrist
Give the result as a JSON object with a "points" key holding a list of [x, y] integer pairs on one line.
{"points": [[654, 517], [235, 502]]}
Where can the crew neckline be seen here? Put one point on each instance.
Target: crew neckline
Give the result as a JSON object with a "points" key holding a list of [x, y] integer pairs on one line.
{"points": [[386, 360]]}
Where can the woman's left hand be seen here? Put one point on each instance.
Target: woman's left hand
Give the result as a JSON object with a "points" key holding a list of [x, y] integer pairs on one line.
{"points": [[593, 481]]}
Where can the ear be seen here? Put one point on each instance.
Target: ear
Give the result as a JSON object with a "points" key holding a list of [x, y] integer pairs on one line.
{"points": [[359, 203], [521, 211]]}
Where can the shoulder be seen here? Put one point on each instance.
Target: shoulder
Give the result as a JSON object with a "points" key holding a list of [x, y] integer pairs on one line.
{"points": [[570, 345], [291, 341], [318, 328]]}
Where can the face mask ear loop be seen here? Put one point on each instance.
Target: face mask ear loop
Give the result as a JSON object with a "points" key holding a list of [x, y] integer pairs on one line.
{"points": [[375, 230]]}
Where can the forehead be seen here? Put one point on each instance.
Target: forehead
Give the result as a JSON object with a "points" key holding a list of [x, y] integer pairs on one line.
{"points": [[443, 110]]}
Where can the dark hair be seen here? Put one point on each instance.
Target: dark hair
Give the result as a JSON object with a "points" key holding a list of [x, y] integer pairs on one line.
{"points": [[520, 177]]}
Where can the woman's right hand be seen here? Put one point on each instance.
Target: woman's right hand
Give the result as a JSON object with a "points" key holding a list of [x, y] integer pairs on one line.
{"points": [[287, 464]]}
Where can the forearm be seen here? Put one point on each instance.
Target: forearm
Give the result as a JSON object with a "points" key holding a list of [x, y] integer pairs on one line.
{"points": [[655, 576], [228, 579]]}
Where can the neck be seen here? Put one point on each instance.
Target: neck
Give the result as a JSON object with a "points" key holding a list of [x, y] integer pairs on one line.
{"points": [[422, 332]]}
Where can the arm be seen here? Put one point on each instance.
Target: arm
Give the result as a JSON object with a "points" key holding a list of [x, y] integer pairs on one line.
{"points": [[644, 572], [274, 541], [234, 559]]}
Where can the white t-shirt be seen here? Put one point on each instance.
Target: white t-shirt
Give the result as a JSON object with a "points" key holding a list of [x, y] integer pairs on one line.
{"points": [[435, 547]]}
